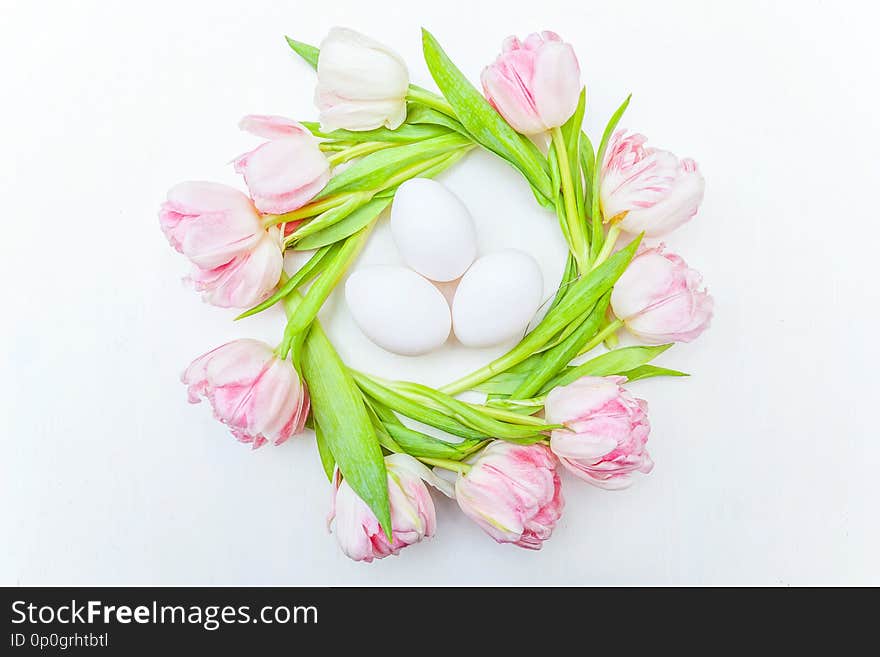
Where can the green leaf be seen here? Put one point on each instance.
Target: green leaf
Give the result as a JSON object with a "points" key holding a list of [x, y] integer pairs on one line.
{"points": [[327, 460], [418, 444], [302, 275], [568, 276], [304, 50], [414, 410], [559, 201], [339, 410], [588, 165], [558, 357], [596, 214], [433, 167], [617, 361], [470, 416], [571, 133], [404, 134], [373, 171], [482, 121], [328, 218], [421, 116], [348, 226], [317, 294], [582, 295], [385, 439], [647, 371], [501, 384]]}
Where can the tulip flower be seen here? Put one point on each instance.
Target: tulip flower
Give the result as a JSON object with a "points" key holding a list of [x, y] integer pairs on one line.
{"points": [[513, 493], [286, 172], [260, 397], [646, 189], [534, 84], [660, 299], [362, 85], [236, 261], [605, 432], [412, 511]]}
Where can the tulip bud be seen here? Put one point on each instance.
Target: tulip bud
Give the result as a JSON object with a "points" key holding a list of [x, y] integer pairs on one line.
{"points": [[282, 174], [513, 493], [236, 261], [412, 512], [659, 299], [535, 84], [652, 190], [260, 397], [605, 432], [362, 85]]}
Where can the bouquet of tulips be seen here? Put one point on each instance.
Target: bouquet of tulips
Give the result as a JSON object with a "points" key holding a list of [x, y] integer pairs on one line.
{"points": [[321, 187]]}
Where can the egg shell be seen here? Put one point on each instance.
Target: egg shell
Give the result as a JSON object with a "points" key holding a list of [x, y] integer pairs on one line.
{"points": [[497, 298], [433, 230], [397, 309]]}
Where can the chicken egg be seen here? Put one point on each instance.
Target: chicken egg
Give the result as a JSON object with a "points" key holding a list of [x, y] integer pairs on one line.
{"points": [[497, 298], [397, 309], [433, 230]]}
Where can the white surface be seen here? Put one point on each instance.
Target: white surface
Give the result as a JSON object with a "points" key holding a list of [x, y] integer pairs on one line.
{"points": [[767, 458]]}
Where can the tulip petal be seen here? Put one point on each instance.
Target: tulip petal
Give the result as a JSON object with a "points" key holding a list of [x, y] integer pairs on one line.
{"points": [[556, 83]]}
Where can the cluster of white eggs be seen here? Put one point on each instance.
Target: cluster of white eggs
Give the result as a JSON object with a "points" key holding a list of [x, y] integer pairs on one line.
{"points": [[403, 311]]}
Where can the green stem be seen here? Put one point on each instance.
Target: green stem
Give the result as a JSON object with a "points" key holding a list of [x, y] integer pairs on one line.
{"points": [[600, 336], [359, 150], [291, 303], [446, 464], [307, 310], [328, 218], [468, 414], [584, 293], [608, 246], [304, 212], [429, 99], [419, 168], [334, 146], [576, 230], [509, 416]]}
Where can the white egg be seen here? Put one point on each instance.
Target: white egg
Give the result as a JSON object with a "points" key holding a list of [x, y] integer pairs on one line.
{"points": [[497, 298], [433, 230], [398, 309]]}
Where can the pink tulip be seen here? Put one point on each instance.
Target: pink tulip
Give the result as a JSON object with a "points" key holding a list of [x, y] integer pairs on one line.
{"points": [[660, 299], [652, 190], [412, 512], [236, 261], [260, 397], [605, 432], [535, 84], [287, 171], [513, 493]]}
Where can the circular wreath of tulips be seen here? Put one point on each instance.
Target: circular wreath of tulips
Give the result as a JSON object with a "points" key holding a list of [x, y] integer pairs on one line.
{"points": [[540, 410]]}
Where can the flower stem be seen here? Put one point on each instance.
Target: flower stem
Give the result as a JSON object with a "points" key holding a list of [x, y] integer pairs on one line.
{"points": [[608, 246], [446, 464], [307, 308], [290, 303], [601, 335], [509, 416], [429, 99], [304, 212], [419, 168], [358, 150], [575, 227]]}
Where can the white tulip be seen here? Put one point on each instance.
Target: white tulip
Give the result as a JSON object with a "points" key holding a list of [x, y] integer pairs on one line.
{"points": [[362, 85]]}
